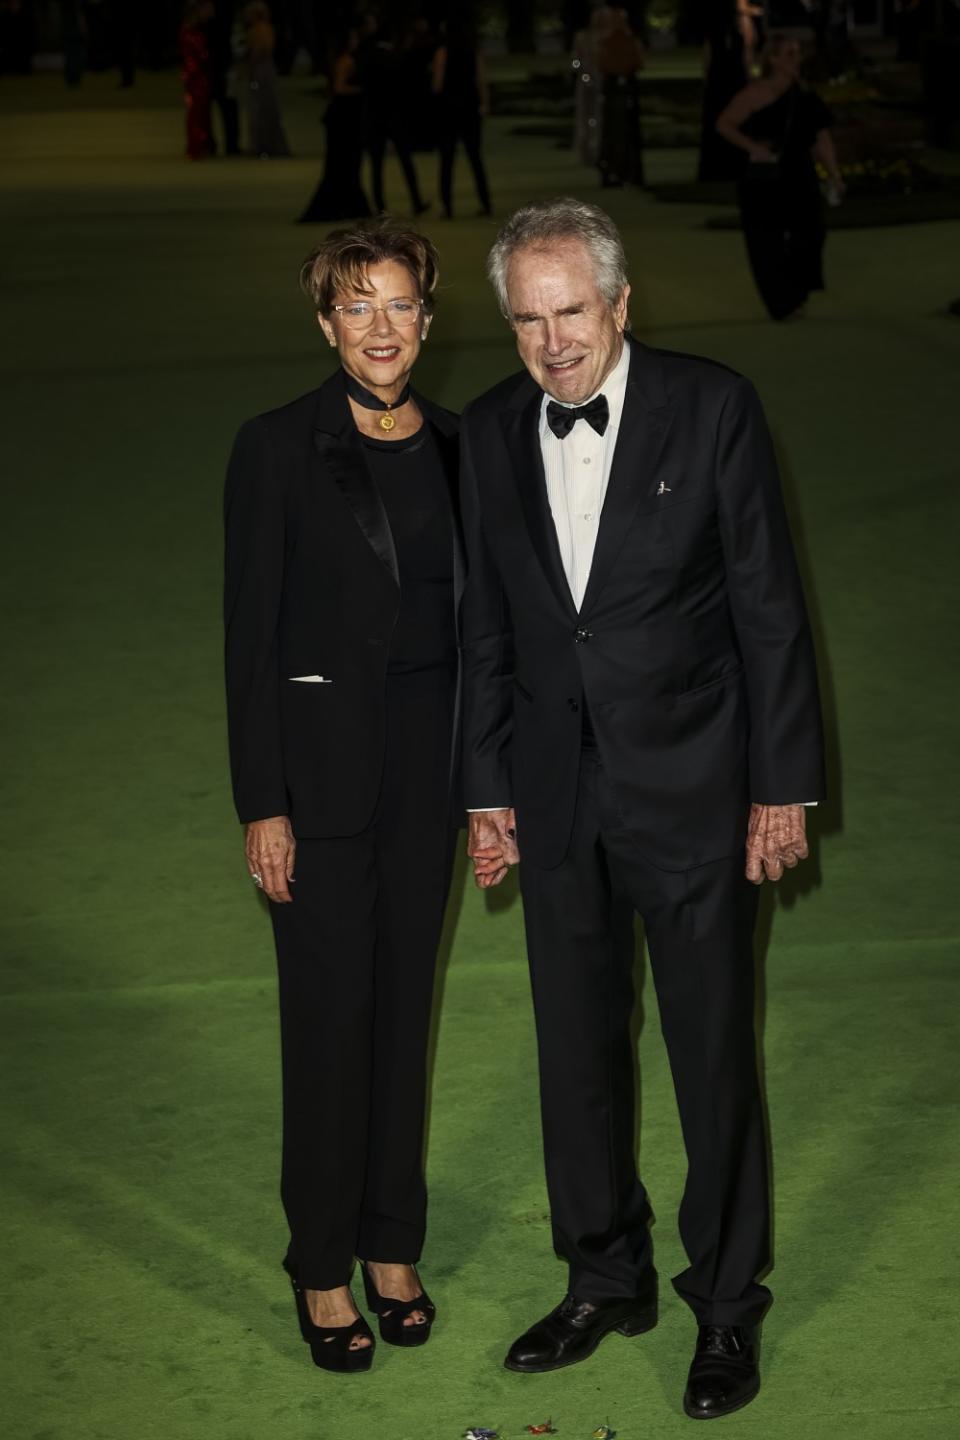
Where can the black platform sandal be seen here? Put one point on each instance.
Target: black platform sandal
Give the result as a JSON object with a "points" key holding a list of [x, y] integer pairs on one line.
{"points": [[392, 1314], [330, 1344]]}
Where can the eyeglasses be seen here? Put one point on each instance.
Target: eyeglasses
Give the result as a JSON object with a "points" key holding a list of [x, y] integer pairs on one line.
{"points": [[358, 315]]}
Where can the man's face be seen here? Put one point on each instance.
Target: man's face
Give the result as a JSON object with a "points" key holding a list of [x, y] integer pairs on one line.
{"points": [[568, 336]]}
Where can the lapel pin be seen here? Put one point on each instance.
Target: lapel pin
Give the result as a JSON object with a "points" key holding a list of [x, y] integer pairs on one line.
{"points": [[663, 489]]}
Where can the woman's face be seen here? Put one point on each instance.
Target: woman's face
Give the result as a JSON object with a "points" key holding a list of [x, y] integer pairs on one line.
{"points": [[382, 353], [788, 58]]}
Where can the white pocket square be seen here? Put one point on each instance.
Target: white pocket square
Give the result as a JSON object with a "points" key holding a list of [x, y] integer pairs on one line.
{"points": [[311, 679]]}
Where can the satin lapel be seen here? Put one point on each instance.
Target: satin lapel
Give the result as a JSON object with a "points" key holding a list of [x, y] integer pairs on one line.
{"points": [[523, 443], [343, 462], [643, 430]]}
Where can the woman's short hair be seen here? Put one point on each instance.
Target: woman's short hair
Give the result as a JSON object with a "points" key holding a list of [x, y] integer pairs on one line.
{"points": [[340, 263], [542, 225]]}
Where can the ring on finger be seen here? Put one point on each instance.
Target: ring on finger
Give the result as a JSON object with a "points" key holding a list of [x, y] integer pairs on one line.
{"points": [[257, 880]]}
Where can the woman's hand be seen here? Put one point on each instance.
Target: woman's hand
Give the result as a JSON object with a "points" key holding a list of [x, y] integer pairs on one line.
{"points": [[762, 155], [271, 851]]}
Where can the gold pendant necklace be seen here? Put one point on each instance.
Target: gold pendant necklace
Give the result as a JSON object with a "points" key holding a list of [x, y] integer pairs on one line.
{"points": [[362, 396]]}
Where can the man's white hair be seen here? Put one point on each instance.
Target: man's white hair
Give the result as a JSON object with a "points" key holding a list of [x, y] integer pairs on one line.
{"points": [[541, 225]]}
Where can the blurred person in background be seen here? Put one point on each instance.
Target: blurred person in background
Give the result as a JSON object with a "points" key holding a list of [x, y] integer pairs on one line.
{"points": [[460, 85], [220, 29], [619, 56], [125, 22], [195, 74], [725, 74], [267, 137], [17, 35], [417, 52], [588, 91], [387, 110], [343, 579], [783, 130], [340, 196], [750, 17], [73, 32]]}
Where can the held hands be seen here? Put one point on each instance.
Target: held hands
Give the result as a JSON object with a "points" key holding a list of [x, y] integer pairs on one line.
{"points": [[776, 838], [271, 850], [492, 845]]}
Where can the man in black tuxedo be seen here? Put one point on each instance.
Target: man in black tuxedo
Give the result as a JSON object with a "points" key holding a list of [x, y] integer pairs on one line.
{"points": [[642, 724]]}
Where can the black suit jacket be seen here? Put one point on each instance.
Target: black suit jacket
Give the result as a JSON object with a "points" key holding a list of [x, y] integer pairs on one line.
{"points": [[692, 647], [312, 588]]}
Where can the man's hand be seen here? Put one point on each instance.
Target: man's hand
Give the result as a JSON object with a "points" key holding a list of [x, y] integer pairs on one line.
{"points": [[271, 850], [492, 845], [776, 838]]}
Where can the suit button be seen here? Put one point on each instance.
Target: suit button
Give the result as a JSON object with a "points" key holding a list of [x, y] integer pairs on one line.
{"points": [[580, 637], [572, 705]]}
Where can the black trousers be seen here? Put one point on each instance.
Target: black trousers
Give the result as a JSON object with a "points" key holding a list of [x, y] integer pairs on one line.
{"points": [[465, 127], [699, 926], [356, 952], [377, 141], [621, 146], [229, 114]]}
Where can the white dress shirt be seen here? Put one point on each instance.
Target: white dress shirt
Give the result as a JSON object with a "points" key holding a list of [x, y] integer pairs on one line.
{"points": [[577, 471]]}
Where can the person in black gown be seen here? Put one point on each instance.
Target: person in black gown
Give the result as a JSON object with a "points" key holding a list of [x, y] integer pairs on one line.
{"points": [[344, 573], [782, 130], [340, 196]]}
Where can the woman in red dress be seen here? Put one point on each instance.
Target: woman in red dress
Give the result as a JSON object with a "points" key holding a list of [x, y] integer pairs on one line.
{"points": [[197, 77]]}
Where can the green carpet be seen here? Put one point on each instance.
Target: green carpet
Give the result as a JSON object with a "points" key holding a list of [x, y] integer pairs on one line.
{"points": [[149, 307]]}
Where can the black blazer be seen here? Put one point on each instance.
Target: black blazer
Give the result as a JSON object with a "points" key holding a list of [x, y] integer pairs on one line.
{"points": [[692, 647], [312, 588]]}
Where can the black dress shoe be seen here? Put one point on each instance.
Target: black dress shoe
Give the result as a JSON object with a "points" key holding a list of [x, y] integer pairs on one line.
{"points": [[725, 1373], [574, 1330]]}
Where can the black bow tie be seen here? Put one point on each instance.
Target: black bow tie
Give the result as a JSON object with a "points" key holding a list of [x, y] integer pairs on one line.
{"points": [[562, 418]]}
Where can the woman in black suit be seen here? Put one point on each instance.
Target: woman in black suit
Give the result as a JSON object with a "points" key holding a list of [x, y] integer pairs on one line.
{"points": [[343, 580]]}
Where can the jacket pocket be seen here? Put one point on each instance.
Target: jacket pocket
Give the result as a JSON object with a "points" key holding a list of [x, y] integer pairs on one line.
{"points": [[697, 690]]}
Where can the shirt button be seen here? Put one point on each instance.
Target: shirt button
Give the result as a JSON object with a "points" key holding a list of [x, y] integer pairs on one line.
{"points": [[586, 459], [589, 515]]}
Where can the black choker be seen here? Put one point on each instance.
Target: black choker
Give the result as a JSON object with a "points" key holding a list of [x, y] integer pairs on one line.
{"points": [[363, 397]]}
